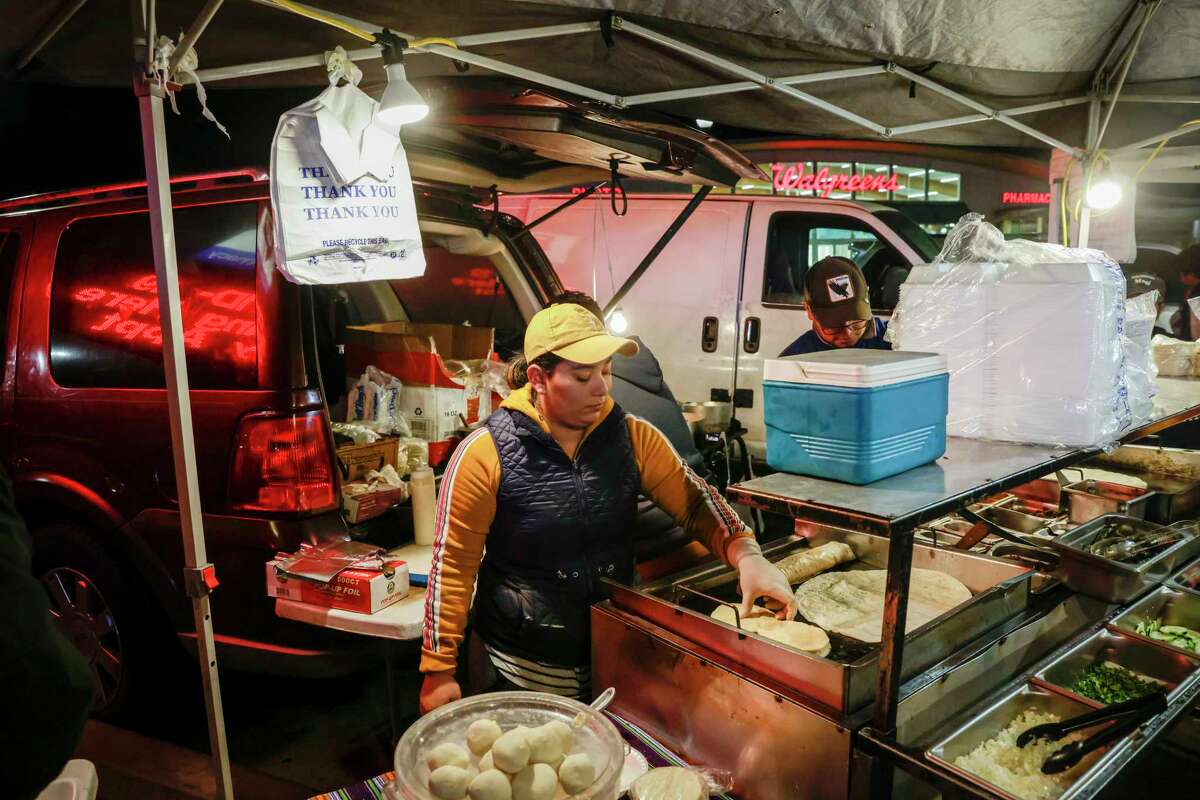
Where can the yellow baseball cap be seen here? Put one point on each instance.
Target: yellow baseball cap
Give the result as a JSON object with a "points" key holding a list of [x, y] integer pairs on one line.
{"points": [[574, 333]]}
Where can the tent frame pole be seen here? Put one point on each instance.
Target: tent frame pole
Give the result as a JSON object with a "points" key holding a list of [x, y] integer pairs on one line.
{"points": [[744, 86], [1150, 9], [990, 113], [179, 409], [468, 57], [732, 68], [62, 15], [970, 119], [198, 574], [195, 32], [369, 53], [1171, 134]]}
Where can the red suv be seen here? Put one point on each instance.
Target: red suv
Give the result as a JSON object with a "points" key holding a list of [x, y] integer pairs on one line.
{"points": [[83, 412], [83, 409]]}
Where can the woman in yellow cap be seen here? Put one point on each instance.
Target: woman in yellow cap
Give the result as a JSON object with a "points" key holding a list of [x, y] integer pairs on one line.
{"points": [[538, 506]]}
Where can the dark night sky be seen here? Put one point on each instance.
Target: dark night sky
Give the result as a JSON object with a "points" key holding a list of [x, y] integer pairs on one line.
{"points": [[56, 137]]}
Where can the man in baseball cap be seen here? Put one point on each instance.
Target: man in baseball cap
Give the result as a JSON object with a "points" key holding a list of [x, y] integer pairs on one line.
{"points": [[835, 294]]}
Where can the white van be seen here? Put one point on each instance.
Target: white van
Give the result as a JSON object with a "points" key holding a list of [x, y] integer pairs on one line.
{"points": [[726, 292]]}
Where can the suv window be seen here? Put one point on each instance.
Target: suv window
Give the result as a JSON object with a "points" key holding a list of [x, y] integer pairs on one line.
{"points": [[463, 290], [797, 240], [104, 328]]}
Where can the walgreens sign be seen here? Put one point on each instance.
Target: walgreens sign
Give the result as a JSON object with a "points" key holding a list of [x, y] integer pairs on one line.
{"points": [[793, 176]]}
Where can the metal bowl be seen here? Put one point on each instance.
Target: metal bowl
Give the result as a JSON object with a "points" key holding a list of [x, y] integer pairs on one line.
{"points": [[717, 416]]}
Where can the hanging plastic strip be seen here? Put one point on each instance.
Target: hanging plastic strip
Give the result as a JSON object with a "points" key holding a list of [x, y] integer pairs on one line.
{"points": [[339, 67], [160, 69]]}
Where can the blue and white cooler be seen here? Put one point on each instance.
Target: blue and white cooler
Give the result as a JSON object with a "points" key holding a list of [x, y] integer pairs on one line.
{"points": [[855, 415]]}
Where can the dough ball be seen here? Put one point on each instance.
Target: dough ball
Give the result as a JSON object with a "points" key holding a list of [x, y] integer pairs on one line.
{"points": [[577, 773], [535, 782], [676, 783], [485, 762], [447, 754], [564, 732], [449, 782], [510, 753], [482, 734], [545, 745], [491, 784]]}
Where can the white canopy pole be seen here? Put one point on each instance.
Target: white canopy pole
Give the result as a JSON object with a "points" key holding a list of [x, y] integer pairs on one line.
{"points": [[199, 576], [61, 17]]}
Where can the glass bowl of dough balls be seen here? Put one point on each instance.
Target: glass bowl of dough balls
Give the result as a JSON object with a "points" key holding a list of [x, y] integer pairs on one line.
{"points": [[510, 746]]}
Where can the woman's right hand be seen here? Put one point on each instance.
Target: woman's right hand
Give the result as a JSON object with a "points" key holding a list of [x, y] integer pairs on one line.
{"points": [[437, 689]]}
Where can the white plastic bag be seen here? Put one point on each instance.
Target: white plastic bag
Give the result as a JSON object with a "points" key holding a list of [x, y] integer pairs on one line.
{"points": [[341, 192], [1034, 336]]}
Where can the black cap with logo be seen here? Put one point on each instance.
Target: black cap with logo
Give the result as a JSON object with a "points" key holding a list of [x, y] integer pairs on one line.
{"points": [[836, 292]]}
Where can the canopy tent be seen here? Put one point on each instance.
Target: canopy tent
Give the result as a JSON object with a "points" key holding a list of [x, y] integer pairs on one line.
{"points": [[1017, 73], [998, 55]]}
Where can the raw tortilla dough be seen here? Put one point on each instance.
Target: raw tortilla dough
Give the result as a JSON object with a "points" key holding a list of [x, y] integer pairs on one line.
{"points": [[449, 783], [545, 746], [577, 773], [447, 754], [669, 783], [799, 635], [490, 785], [851, 603], [510, 753], [535, 782], [807, 563], [564, 732], [482, 734]]}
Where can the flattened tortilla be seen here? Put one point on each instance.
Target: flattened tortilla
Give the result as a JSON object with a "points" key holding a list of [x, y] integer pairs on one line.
{"points": [[799, 635], [803, 565], [851, 603]]}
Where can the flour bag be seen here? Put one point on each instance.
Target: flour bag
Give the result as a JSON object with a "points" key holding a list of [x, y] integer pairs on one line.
{"points": [[341, 191]]}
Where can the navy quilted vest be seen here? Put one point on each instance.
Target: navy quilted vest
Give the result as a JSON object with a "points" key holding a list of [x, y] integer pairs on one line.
{"points": [[560, 527]]}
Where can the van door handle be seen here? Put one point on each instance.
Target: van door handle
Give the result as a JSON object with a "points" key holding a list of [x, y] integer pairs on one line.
{"points": [[708, 334], [751, 333]]}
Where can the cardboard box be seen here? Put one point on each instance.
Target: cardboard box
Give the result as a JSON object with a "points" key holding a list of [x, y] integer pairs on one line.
{"points": [[358, 459], [362, 507], [415, 352], [365, 591]]}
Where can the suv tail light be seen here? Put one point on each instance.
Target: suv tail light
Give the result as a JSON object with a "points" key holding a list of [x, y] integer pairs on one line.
{"points": [[282, 464]]}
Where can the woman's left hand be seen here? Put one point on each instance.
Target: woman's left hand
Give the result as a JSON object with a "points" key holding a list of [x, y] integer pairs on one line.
{"points": [[757, 578]]}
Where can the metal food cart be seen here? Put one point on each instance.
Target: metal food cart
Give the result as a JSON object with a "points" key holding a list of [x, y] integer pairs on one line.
{"points": [[790, 724]]}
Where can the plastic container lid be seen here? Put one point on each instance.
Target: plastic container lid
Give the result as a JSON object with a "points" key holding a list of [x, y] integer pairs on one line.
{"points": [[854, 368]]}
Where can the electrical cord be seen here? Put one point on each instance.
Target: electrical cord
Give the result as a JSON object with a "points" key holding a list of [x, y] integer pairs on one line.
{"points": [[354, 30]]}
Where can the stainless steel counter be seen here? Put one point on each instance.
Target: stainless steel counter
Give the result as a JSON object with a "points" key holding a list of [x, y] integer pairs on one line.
{"points": [[970, 469]]}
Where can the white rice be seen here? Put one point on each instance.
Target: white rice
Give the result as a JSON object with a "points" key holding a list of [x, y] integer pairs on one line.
{"points": [[1018, 770]]}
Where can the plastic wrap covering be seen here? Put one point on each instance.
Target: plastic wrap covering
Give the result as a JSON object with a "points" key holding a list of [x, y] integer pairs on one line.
{"points": [[1140, 315], [1175, 358], [1033, 333]]}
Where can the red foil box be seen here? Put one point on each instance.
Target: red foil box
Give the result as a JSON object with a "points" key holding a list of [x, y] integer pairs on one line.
{"points": [[365, 591]]}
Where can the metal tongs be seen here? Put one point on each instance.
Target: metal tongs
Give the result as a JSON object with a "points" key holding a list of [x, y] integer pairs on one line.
{"points": [[1125, 718]]}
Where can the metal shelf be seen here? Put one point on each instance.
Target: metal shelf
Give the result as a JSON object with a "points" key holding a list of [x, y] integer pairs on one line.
{"points": [[970, 470]]}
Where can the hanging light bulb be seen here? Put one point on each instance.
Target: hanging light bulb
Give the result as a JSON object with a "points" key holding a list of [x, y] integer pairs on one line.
{"points": [[401, 103], [1105, 192], [617, 322], [1104, 195]]}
